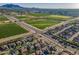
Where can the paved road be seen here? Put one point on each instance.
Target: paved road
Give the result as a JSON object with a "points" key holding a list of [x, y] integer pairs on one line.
{"points": [[12, 38], [75, 35], [63, 29]]}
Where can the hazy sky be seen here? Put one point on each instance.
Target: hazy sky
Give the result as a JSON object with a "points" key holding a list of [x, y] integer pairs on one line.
{"points": [[49, 5]]}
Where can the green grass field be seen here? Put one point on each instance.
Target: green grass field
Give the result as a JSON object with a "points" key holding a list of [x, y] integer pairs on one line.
{"points": [[42, 21], [10, 29], [2, 18]]}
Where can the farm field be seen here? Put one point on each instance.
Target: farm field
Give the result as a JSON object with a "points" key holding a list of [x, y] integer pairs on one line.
{"points": [[42, 21], [10, 29]]}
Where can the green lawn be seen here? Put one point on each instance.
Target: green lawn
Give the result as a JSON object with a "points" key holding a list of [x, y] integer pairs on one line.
{"points": [[10, 29]]}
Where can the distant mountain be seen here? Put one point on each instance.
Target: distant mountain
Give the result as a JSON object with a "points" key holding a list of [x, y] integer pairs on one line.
{"points": [[11, 6]]}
